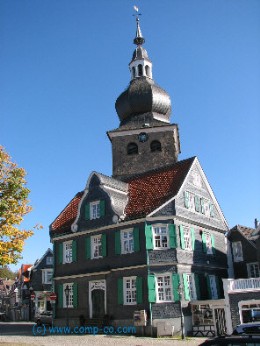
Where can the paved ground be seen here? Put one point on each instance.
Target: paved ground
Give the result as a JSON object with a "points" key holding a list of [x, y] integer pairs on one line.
{"points": [[21, 334]]}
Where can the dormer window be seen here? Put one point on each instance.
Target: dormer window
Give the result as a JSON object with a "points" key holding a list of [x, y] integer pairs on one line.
{"points": [[132, 149], [156, 146]]}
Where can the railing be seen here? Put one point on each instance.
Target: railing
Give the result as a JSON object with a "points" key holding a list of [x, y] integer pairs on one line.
{"points": [[239, 285]]}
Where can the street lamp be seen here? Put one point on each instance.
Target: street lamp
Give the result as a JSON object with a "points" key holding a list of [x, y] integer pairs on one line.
{"points": [[67, 293], [182, 322], [30, 303]]}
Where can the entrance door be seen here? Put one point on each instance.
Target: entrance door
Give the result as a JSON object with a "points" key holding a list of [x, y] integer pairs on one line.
{"points": [[220, 321], [98, 303]]}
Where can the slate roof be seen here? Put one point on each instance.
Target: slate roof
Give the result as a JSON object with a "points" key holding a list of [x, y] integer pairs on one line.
{"points": [[146, 192]]}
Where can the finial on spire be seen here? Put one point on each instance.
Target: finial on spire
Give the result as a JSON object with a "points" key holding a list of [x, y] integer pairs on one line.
{"points": [[139, 40]]}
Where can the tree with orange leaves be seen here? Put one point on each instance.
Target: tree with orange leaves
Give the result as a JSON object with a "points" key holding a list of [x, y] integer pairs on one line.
{"points": [[14, 205]]}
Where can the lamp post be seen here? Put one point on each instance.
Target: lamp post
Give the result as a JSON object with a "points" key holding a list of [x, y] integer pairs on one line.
{"points": [[30, 303], [182, 322], [67, 293]]}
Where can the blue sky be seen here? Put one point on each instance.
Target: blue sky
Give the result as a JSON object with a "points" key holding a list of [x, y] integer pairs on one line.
{"points": [[63, 63]]}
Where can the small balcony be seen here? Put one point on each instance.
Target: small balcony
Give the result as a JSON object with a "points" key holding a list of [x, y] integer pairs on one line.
{"points": [[242, 285]]}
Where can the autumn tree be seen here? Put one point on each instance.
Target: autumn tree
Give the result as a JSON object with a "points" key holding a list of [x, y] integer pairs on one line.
{"points": [[14, 205]]}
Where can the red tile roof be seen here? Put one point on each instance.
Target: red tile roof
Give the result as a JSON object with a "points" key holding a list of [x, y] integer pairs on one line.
{"points": [[149, 191], [68, 215], [146, 192]]}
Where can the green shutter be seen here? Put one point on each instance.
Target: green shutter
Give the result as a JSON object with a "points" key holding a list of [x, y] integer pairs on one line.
{"points": [[88, 247], [197, 203], [149, 237], [219, 285], [60, 254], [136, 239], [60, 296], [203, 238], [75, 295], [151, 288], [202, 206], [172, 234], [186, 287], [139, 290], [74, 251], [120, 291], [102, 207], [209, 287], [186, 199], [118, 242], [182, 243], [104, 244], [176, 285], [197, 285], [87, 211], [213, 244], [192, 234]]}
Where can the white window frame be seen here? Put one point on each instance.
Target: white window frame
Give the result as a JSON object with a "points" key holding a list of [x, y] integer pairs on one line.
{"points": [[94, 209], [70, 297], [237, 251], [158, 236], [47, 273], [187, 238], [164, 289], [213, 287], [49, 260], [129, 289], [253, 268], [192, 286], [127, 241], [96, 244], [67, 251], [208, 241]]}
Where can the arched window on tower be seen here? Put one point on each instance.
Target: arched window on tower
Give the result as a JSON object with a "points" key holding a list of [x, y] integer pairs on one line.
{"points": [[140, 70], [132, 149], [156, 146], [148, 71], [133, 72]]}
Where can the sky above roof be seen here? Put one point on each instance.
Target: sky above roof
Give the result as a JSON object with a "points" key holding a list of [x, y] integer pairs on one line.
{"points": [[63, 63]]}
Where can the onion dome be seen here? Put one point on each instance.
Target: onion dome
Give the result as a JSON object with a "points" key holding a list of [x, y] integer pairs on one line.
{"points": [[142, 95]]}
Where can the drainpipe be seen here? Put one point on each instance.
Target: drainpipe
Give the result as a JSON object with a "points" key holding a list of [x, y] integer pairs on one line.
{"points": [[150, 304]]}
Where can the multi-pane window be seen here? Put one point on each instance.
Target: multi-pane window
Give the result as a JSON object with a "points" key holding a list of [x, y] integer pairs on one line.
{"points": [[237, 251], [49, 260], [187, 238], [47, 276], [129, 290], [127, 241], [208, 243], [164, 288], [253, 270], [96, 246], [68, 299], [213, 286], [67, 252], [160, 237], [95, 210], [191, 286]]}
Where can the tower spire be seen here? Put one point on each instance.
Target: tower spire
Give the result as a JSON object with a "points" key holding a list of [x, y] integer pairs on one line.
{"points": [[139, 39]]}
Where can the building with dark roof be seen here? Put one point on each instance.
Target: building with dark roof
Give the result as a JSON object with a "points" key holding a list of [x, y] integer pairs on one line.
{"points": [[149, 241]]}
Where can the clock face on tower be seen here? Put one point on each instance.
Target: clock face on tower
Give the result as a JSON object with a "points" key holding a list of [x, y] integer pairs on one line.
{"points": [[142, 137]]}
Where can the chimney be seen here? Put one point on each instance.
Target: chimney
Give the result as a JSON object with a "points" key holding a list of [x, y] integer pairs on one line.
{"points": [[256, 223]]}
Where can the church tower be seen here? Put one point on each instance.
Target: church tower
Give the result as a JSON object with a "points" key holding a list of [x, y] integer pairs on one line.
{"points": [[145, 139]]}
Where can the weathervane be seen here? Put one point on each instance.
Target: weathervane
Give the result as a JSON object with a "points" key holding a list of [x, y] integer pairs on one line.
{"points": [[136, 13], [139, 40]]}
